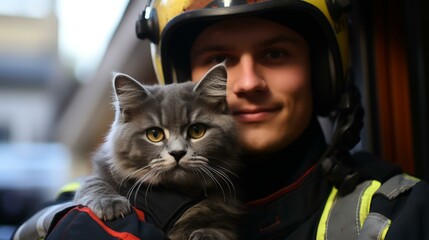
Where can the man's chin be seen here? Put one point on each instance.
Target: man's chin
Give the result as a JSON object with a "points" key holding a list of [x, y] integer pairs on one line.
{"points": [[258, 148], [261, 142]]}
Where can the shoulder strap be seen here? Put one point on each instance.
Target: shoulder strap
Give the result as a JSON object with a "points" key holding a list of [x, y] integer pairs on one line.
{"points": [[397, 185]]}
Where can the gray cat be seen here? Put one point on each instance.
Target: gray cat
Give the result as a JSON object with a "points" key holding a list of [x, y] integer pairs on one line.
{"points": [[177, 138]]}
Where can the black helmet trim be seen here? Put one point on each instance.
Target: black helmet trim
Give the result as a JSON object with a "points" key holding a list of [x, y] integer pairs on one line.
{"points": [[327, 85]]}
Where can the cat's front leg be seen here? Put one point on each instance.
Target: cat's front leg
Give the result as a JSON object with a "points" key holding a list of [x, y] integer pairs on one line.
{"points": [[102, 199]]}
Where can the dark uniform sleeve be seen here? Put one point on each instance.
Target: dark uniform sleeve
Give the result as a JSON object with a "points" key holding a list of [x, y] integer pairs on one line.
{"points": [[405, 206], [408, 212], [80, 222], [63, 219]]}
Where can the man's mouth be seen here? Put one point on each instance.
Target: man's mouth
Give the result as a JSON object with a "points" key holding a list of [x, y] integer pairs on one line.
{"points": [[253, 115]]}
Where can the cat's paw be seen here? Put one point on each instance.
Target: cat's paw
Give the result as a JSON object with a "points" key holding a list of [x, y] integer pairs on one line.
{"points": [[108, 207]]}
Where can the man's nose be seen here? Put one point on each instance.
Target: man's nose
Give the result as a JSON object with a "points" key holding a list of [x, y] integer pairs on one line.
{"points": [[246, 77]]}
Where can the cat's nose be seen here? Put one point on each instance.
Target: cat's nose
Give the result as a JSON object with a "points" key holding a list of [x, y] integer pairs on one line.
{"points": [[177, 154]]}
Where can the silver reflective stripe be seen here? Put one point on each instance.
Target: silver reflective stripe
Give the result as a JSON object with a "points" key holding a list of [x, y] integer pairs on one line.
{"points": [[37, 226], [375, 227], [349, 216], [397, 185], [344, 218]]}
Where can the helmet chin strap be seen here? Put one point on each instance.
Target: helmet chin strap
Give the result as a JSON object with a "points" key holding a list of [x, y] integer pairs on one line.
{"points": [[349, 122]]}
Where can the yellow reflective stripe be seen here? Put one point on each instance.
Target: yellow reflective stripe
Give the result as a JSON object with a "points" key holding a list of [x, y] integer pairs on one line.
{"points": [[71, 187], [365, 200], [385, 230], [321, 229]]}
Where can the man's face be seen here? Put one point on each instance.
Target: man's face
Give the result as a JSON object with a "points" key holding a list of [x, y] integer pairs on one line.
{"points": [[268, 88]]}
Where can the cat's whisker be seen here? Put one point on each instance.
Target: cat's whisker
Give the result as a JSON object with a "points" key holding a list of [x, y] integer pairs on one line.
{"points": [[199, 172], [149, 186], [156, 160], [213, 177], [227, 170], [199, 158], [141, 182], [137, 185], [131, 190], [226, 179], [229, 166], [129, 176]]}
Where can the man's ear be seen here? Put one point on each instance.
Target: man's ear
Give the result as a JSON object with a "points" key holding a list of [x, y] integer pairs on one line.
{"points": [[128, 94]]}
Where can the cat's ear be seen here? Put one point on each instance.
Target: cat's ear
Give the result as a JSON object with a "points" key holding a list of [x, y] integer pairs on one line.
{"points": [[213, 85], [128, 95]]}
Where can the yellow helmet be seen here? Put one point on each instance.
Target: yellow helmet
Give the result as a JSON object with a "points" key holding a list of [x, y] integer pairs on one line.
{"points": [[173, 25]]}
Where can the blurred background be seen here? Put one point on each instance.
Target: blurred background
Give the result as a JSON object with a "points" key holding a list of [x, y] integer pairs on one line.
{"points": [[56, 64]]}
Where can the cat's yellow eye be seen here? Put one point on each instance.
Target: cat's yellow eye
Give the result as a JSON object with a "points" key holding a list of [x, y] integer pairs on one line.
{"points": [[155, 134], [197, 130]]}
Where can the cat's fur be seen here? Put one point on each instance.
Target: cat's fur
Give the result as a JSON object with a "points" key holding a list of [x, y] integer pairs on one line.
{"points": [[128, 159]]}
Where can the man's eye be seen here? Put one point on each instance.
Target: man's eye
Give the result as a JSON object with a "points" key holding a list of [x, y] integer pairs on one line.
{"points": [[218, 59], [274, 54]]}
